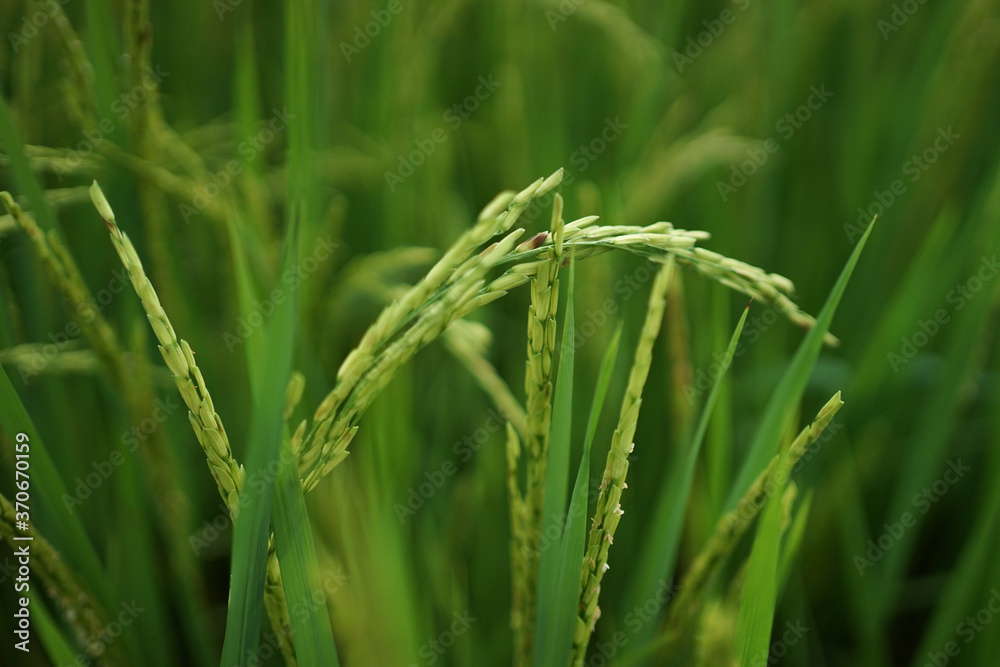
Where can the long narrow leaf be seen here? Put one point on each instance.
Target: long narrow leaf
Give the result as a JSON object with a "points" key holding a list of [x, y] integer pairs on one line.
{"points": [[760, 594], [252, 525], [300, 568], [658, 557], [61, 524], [756, 616], [13, 148], [55, 643], [785, 398], [793, 540], [554, 620]]}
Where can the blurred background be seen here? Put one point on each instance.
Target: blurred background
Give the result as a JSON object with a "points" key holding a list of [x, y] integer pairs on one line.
{"points": [[779, 127]]}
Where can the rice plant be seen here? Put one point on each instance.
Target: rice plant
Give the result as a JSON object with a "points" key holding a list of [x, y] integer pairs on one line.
{"points": [[285, 381]]}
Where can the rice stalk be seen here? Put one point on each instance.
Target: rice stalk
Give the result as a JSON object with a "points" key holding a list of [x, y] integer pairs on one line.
{"points": [[59, 160], [150, 131], [179, 357], [190, 383], [293, 393], [79, 98], [68, 359], [732, 526], [66, 277], [277, 605], [538, 406], [456, 286], [518, 545], [609, 511], [127, 372], [468, 342], [404, 327], [56, 197], [146, 144], [84, 614], [182, 188]]}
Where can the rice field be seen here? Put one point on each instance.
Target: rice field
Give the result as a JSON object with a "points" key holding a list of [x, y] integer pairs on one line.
{"points": [[541, 333]]}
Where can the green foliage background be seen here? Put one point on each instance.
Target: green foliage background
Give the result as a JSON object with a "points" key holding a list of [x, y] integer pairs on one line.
{"points": [[689, 114]]}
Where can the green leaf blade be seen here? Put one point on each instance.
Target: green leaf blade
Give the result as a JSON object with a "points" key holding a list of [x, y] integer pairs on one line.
{"points": [[786, 396]]}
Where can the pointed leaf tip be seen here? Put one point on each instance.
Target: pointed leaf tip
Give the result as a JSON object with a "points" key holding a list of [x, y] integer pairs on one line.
{"points": [[102, 205]]}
